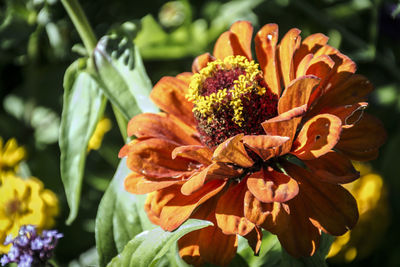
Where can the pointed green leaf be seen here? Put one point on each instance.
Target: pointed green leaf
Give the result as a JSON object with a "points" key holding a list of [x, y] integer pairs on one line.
{"points": [[82, 108], [149, 246], [120, 217], [122, 76]]}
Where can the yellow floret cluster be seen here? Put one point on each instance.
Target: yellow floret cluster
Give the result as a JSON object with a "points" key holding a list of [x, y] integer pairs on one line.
{"points": [[245, 84]]}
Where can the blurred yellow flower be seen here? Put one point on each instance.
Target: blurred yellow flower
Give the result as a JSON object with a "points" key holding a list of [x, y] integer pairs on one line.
{"points": [[24, 202], [102, 128], [370, 193], [10, 156]]}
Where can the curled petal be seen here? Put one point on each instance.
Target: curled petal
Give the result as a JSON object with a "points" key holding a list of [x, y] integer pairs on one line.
{"points": [[303, 65], [333, 168], [201, 62], [216, 170], [320, 66], [289, 44], [362, 141], [297, 93], [282, 126], [318, 136], [232, 151], [330, 207], [162, 125], [310, 45], [152, 158], [255, 210], [230, 211], [180, 207], [201, 154], [169, 94], [277, 219], [264, 145], [271, 186], [265, 42]]}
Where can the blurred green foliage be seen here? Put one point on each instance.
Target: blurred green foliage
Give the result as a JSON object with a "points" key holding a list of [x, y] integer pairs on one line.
{"points": [[38, 42]]}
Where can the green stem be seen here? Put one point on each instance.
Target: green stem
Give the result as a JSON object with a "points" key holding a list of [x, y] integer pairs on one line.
{"points": [[81, 23]]}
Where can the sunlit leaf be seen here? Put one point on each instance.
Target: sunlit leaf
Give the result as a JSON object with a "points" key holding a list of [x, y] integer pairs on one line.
{"points": [[122, 75], [147, 248], [120, 217], [82, 108]]}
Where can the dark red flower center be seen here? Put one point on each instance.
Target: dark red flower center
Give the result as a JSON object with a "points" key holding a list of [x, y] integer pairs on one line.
{"points": [[230, 98]]}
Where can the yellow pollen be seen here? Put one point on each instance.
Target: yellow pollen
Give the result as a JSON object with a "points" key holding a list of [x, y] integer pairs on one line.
{"points": [[245, 84]]}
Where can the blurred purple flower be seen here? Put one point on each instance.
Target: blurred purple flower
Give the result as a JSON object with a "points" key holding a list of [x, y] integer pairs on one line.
{"points": [[29, 248]]}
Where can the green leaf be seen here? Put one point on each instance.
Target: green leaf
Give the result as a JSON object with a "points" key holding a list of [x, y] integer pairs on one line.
{"points": [[270, 253], [83, 106], [317, 260], [149, 246], [122, 75], [120, 217]]}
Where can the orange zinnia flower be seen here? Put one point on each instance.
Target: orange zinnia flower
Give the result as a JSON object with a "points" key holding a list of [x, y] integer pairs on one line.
{"points": [[250, 146]]}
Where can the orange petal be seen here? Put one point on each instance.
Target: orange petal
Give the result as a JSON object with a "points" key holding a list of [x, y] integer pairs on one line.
{"points": [[333, 168], [300, 238], [216, 170], [156, 201], [310, 45], [169, 94], [351, 91], [223, 47], [138, 184], [303, 65], [254, 238], [330, 207], [180, 207], [162, 125], [265, 42], [232, 151], [186, 77], [320, 66], [288, 46], [264, 145], [256, 211], [131, 181], [363, 139], [277, 219], [152, 158], [271, 186], [349, 114], [297, 93], [216, 247], [189, 249], [282, 127], [213, 246], [243, 31], [318, 136], [201, 154], [201, 62], [147, 185], [230, 211]]}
